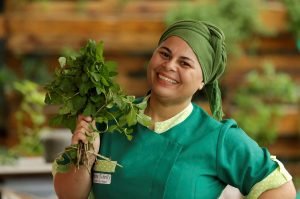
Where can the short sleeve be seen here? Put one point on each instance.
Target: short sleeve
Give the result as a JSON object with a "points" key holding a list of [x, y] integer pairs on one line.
{"points": [[277, 178], [241, 162]]}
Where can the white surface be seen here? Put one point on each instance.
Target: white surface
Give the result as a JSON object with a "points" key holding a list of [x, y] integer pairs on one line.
{"points": [[28, 165], [28, 188], [23, 184]]}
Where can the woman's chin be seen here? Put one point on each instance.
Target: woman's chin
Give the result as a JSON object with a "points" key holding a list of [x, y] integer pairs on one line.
{"points": [[164, 92]]}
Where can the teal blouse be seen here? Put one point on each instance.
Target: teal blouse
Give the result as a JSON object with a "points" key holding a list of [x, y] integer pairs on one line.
{"points": [[196, 158]]}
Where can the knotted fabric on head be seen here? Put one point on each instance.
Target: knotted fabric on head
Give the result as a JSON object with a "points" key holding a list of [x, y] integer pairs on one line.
{"points": [[207, 42]]}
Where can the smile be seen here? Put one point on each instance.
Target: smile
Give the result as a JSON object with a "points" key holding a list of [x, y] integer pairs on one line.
{"points": [[167, 79]]}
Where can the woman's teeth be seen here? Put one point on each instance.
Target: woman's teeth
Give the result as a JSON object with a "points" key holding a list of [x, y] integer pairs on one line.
{"points": [[167, 79]]}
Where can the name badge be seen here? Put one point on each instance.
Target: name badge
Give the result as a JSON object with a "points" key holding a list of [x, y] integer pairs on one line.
{"points": [[102, 178]]}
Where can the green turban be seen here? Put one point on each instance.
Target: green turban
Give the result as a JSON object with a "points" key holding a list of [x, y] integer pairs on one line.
{"points": [[207, 42]]}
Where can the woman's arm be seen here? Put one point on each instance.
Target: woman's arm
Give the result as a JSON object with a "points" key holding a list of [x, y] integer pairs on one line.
{"points": [[76, 182], [286, 191]]}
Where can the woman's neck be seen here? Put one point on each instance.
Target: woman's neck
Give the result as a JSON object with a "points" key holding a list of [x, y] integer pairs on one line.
{"points": [[161, 110]]}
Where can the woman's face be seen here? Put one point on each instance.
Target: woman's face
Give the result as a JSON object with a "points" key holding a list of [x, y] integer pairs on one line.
{"points": [[174, 73]]}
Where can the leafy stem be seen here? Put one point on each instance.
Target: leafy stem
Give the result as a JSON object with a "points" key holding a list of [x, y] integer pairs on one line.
{"points": [[117, 123], [73, 96], [101, 156]]}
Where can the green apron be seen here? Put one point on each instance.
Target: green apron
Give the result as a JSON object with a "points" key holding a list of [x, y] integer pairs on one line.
{"points": [[195, 159]]}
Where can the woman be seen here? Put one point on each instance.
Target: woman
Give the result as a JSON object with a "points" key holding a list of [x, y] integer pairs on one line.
{"points": [[184, 153]]}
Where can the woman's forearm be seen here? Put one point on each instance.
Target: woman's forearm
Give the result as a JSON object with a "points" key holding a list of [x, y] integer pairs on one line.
{"points": [[286, 191], [75, 184]]}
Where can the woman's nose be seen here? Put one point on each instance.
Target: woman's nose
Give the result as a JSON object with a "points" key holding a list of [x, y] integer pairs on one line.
{"points": [[170, 65]]}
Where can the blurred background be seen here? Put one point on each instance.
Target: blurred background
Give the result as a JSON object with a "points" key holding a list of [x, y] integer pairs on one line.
{"points": [[260, 87]]}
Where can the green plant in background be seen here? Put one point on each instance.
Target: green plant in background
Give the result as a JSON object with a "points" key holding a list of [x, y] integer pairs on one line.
{"points": [[258, 102], [238, 19], [35, 70], [7, 157], [23, 93], [7, 77], [32, 69], [293, 10], [29, 116], [31, 111], [80, 4]]}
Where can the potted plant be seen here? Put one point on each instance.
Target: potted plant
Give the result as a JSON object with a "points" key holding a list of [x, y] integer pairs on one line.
{"points": [[293, 12], [259, 102], [26, 117], [29, 118]]}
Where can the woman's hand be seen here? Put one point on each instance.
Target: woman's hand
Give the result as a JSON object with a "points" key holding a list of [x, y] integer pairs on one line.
{"points": [[76, 183], [84, 128]]}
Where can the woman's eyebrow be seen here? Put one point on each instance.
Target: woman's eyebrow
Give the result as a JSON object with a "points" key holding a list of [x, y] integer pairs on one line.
{"points": [[187, 59], [181, 57], [166, 48]]}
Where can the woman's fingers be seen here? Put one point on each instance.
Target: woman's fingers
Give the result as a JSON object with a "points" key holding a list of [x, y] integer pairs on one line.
{"points": [[83, 124], [85, 118], [86, 122], [84, 128], [79, 135]]}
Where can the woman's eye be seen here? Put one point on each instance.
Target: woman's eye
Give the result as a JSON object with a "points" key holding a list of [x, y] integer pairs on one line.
{"points": [[164, 54], [185, 64]]}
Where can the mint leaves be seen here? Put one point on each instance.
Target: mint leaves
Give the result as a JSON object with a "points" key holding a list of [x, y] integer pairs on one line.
{"points": [[85, 84]]}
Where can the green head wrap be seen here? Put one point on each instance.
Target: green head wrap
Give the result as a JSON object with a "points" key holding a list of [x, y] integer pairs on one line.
{"points": [[207, 42]]}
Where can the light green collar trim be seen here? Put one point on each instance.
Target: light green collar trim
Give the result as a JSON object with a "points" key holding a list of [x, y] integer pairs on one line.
{"points": [[161, 127]]}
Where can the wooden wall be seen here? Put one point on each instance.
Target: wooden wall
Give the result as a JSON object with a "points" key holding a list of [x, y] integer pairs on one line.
{"points": [[130, 32]]}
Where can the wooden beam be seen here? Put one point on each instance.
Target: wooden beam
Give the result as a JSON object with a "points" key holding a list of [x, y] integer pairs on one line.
{"points": [[248, 62], [48, 35], [289, 122], [286, 148], [49, 27], [2, 27], [132, 26], [274, 16], [280, 43], [237, 68], [92, 8]]}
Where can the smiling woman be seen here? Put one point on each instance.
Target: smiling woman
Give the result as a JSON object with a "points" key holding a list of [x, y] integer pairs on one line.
{"points": [[173, 69], [185, 153]]}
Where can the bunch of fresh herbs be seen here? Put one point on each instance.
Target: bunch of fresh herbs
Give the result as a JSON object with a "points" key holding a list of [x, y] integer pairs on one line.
{"points": [[85, 84]]}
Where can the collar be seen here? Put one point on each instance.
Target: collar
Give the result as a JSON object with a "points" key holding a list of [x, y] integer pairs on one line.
{"points": [[163, 126]]}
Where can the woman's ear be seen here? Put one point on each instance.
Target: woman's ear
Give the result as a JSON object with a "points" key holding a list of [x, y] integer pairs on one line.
{"points": [[201, 85]]}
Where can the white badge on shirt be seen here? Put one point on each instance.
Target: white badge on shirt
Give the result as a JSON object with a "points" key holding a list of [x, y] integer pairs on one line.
{"points": [[102, 178]]}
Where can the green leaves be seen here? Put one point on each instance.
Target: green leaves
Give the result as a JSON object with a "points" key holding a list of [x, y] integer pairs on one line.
{"points": [[84, 84], [259, 99]]}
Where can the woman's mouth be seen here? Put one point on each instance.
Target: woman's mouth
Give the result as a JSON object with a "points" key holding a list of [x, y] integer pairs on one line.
{"points": [[162, 77]]}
